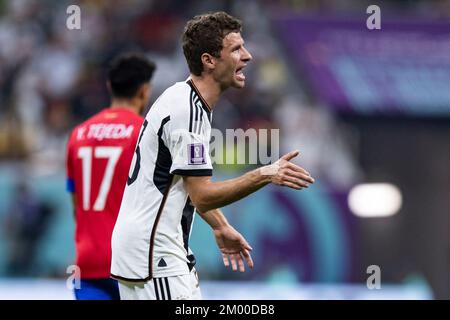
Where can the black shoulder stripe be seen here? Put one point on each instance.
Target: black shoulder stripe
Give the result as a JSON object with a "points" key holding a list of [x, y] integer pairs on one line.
{"points": [[202, 108], [196, 118], [200, 118], [204, 103], [192, 110], [198, 106]]}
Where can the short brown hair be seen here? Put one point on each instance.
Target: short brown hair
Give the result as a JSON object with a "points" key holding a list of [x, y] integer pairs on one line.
{"points": [[204, 34]]}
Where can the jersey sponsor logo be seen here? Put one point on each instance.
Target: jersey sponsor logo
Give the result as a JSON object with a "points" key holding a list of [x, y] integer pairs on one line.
{"points": [[101, 131], [196, 154]]}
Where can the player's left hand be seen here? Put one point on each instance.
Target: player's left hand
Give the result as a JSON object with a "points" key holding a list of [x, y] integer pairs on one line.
{"points": [[234, 247]]}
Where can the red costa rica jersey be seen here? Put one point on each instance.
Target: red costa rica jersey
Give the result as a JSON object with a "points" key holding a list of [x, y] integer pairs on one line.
{"points": [[99, 154]]}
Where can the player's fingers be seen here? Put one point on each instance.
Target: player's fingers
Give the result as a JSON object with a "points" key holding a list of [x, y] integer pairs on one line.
{"points": [[240, 262], [299, 175], [290, 155], [246, 245], [226, 262], [292, 185], [248, 258], [233, 262], [297, 168], [299, 172], [300, 182]]}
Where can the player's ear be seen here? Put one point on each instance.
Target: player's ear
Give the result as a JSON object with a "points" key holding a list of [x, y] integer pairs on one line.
{"points": [[209, 62]]}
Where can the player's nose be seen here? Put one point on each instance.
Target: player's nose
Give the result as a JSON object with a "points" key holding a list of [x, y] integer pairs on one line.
{"points": [[246, 56]]}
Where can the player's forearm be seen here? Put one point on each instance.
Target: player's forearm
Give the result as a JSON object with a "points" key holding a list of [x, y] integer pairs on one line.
{"points": [[214, 218], [212, 195]]}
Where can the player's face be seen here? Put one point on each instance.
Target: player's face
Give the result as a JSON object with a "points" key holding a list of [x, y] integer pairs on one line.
{"points": [[233, 59]]}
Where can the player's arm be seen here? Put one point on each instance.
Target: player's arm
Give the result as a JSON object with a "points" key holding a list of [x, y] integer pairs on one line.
{"points": [[207, 195], [231, 243], [191, 160]]}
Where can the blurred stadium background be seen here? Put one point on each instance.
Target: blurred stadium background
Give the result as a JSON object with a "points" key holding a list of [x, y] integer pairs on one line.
{"points": [[369, 110]]}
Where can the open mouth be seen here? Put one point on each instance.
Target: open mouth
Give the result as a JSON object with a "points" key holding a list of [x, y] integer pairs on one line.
{"points": [[239, 74]]}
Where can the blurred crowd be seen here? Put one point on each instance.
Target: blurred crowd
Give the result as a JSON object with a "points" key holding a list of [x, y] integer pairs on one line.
{"points": [[52, 78]]}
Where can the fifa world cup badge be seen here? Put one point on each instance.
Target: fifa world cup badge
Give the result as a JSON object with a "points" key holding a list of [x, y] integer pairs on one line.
{"points": [[196, 153]]}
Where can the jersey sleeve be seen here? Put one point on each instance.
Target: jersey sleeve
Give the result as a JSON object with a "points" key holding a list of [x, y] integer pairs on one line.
{"points": [[189, 150]]}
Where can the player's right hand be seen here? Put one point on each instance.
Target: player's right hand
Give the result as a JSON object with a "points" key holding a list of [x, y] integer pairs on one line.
{"points": [[285, 173], [234, 247]]}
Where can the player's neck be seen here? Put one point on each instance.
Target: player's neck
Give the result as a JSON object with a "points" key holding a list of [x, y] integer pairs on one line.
{"points": [[124, 104], [209, 89]]}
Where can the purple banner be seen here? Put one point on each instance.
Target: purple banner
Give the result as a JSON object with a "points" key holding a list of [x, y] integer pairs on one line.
{"points": [[402, 68]]}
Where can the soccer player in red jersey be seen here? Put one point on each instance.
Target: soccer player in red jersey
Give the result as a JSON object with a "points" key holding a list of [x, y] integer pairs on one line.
{"points": [[99, 154]]}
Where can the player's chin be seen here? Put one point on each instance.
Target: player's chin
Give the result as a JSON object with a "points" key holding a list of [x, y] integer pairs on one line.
{"points": [[239, 84]]}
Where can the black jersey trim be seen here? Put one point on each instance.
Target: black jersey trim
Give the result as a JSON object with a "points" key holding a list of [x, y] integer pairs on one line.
{"points": [[155, 285], [119, 278], [169, 297], [152, 240], [163, 163], [161, 285], [186, 222], [193, 173], [205, 105], [191, 113], [155, 226], [197, 118]]}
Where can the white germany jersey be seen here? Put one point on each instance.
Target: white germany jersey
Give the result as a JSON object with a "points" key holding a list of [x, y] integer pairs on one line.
{"points": [[150, 238]]}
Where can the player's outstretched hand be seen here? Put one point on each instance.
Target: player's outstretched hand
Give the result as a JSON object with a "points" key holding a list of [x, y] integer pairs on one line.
{"points": [[285, 173], [233, 247]]}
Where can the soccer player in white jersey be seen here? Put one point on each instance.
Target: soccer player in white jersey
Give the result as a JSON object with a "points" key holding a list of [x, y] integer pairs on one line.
{"points": [[170, 175]]}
